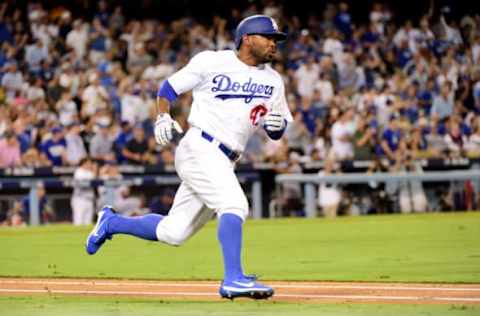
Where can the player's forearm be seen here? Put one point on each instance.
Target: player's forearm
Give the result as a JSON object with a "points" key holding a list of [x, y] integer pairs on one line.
{"points": [[163, 105], [165, 95]]}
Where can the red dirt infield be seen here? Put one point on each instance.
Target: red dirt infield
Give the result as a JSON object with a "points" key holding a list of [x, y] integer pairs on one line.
{"points": [[306, 292]]}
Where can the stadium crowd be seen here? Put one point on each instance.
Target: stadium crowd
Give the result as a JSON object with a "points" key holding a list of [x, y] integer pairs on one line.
{"points": [[75, 87]]}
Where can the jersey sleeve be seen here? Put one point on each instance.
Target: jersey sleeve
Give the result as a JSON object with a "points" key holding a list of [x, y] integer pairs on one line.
{"points": [[192, 74]]}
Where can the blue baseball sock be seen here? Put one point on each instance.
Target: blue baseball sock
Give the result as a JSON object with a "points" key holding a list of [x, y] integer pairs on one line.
{"points": [[140, 226], [230, 236]]}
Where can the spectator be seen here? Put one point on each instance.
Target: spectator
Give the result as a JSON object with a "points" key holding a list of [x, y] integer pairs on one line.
{"points": [[34, 55], [297, 134], [55, 148], [473, 144], [94, 97], [67, 109], [101, 145], [99, 41], [165, 157], [343, 20], [342, 136], [325, 90], [391, 139], [290, 200], [436, 143], [254, 148], [119, 196], [33, 158], [83, 197], [349, 76], [127, 204], [77, 39], [333, 46], [9, 150], [364, 140], [306, 77], [442, 106], [12, 81], [133, 107], [411, 196], [329, 195], [107, 194], [122, 139], [136, 149], [455, 141], [35, 90], [76, 150], [14, 215]]}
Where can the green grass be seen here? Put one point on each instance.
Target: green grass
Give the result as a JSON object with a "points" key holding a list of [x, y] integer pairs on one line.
{"points": [[88, 306], [418, 248]]}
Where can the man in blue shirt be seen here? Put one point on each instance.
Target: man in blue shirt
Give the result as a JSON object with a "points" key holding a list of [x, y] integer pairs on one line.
{"points": [[391, 138], [55, 149]]}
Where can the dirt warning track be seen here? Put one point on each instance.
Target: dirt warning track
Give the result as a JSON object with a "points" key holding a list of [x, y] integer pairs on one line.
{"points": [[284, 291]]}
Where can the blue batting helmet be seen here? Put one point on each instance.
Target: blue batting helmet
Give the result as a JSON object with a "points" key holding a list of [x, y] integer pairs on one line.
{"points": [[257, 24]]}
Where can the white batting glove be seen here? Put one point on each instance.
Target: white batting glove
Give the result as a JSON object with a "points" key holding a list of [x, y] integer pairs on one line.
{"points": [[274, 121], [163, 128]]}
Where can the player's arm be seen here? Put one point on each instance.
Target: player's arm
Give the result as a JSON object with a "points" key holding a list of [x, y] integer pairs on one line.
{"points": [[183, 80], [164, 123], [165, 95]]}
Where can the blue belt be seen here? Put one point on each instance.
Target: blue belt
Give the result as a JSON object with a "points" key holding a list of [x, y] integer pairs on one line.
{"points": [[233, 156]]}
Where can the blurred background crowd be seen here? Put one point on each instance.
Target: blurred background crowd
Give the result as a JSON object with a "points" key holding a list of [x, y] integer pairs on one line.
{"points": [[83, 86]]}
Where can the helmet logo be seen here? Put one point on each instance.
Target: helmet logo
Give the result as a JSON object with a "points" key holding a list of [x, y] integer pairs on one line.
{"points": [[274, 25]]}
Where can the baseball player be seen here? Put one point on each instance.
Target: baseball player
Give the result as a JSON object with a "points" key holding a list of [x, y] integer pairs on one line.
{"points": [[234, 93]]}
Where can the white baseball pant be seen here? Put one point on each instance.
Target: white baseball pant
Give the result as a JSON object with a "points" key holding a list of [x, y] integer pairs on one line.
{"points": [[209, 185]]}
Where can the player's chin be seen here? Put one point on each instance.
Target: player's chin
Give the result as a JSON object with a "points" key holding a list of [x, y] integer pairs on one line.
{"points": [[269, 57]]}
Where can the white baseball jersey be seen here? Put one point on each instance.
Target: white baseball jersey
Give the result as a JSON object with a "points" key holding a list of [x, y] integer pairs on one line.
{"points": [[228, 95], [229, 98]]}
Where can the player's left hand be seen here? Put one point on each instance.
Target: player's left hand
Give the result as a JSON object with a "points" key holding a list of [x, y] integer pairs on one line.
{"points": [[274, 121]]}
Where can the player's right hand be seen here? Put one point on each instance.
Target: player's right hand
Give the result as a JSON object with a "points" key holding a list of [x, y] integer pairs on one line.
{"points": [[163, 130]]}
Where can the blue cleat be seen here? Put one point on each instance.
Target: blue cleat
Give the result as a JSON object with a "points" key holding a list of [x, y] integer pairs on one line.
{"points": [[99, 234], [245, 287]]}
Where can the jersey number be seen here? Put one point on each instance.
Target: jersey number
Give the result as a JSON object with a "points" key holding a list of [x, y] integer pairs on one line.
{"points": [[256, 113]]}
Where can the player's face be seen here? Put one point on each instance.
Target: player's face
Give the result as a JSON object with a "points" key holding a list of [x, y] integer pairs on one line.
{"points": [[263, 48]]}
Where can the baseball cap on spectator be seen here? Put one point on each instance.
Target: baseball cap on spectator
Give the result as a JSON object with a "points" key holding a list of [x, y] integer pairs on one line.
{"points": [[103, 122], [102, 125], [56, 129]]}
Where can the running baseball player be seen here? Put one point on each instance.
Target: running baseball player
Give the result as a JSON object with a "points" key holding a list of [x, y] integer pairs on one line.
{"points": [[234, 93]]}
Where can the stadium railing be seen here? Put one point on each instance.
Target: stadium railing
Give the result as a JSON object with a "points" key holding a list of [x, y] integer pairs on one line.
{"points": [[32, 184], [312, 181]]}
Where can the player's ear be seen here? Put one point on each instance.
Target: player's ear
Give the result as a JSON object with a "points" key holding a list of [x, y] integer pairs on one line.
{"points": [[245, 39]]}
